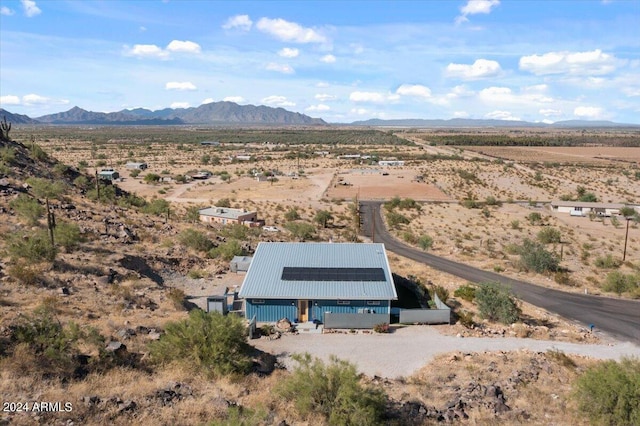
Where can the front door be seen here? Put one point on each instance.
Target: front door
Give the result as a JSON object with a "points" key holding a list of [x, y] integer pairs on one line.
{"points": [[303, 310]]}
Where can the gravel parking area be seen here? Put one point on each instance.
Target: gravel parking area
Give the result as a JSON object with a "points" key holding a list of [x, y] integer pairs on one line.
{"points": [[406, 350]]}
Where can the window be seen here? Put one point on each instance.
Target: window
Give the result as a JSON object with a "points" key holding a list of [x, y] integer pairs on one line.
{"points": [[344, 302], [373, 303], [257, 301], [578, 209]]}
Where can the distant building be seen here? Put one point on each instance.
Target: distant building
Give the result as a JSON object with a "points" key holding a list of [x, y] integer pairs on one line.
{"points": [[108, 174], [243, 157], [583, 208], [210, 143], [136, 166], [226, 216], [394, 163], [240, 263]]}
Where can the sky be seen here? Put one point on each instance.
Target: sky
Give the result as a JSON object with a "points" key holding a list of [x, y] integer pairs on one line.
{"points": [[539, 61]]}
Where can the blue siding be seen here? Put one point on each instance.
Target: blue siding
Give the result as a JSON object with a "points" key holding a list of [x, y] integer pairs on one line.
{"points": [[273, 310]]}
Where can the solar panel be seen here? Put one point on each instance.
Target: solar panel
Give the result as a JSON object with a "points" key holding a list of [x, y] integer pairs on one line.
{"points": [[332, 274]]}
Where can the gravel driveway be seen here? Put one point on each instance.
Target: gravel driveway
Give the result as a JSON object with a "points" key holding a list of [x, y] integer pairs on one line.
{"points": [[406, 350]]}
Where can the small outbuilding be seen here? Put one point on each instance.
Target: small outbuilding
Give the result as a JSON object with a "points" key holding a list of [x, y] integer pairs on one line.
{"points": [[136, 166], [583, 208], [309, 282], [109, 175], [240, 263], [229, 216]]}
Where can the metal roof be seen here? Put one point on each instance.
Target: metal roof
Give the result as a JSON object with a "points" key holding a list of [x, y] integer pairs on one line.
{"points": [[264, 278], [224, 212]]}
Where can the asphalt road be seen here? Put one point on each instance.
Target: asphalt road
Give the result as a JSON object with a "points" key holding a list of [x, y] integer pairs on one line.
{"points": [[617, 317]]}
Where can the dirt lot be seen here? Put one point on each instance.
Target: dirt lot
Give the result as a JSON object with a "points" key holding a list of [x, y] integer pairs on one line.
{"points": [[578, 155]]}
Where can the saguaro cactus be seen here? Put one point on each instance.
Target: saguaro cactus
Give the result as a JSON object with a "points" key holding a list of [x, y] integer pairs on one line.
{"points": [[5, 128]]}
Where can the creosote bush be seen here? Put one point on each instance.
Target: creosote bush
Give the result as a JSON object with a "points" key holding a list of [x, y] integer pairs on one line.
{"points": [[534, 257], [195, 240], [31, 247], [497, 303], [466, 292], [28, 209], [212, 343], [332, 391], [609, 393]]}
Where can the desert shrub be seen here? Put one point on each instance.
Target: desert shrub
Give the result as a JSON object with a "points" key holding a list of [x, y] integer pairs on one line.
{"points": [[224, 202], [607, 262], [425, 242], [197, 274], [227, 250], [534, 218], [195, 240], [24, 273], [608, 393], [27, 208], [151, 178], [292, 215], [82, 182], [562, 277], [7, 155], [32, 247], [441, 292], [67, 235], [466, 292], [237, 231], [177, 297], [132, 200], [107, 193], [323, 217], [381, 328], [192, 214], [497, 303], [534, 257], [561, 358], [158, 207], [589, 197], [409, 203], [134, 173], [470, 203], [394, 219], [393, 203], [549, 235], [465, 318], [618, 282], [37, 153], [492, 201], [208, 342], [301, 230], [45, 188], [332, 391]]}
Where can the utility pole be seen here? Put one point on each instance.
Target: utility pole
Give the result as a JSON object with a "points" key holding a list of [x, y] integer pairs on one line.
{"points": [[626, 237], [97, 185], [51, 222]]}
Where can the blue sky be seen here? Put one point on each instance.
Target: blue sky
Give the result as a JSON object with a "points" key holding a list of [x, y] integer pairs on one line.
{"points": [[338, 60]]}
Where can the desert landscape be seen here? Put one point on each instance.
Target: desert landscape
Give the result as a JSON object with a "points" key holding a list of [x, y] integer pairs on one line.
{"points": [[140, 260]]}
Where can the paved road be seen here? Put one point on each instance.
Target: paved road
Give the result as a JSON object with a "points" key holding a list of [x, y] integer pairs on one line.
{"points": [[618, 317]]}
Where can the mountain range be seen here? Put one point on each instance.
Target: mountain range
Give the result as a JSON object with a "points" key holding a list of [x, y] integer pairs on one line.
{"points": [[229, 113]]}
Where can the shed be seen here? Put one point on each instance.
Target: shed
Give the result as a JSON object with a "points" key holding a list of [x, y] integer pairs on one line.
{"points": [[240, 263], [306, 281], [217, 304], [108, 174], [136, 166]]}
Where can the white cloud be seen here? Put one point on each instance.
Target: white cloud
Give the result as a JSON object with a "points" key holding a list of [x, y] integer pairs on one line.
{"points": [[359, 111], [460, 91], [180, 85], [322, 84], [30, 8], [207, 101], [474, 7], [33, 99], [283, 68], [416, 90], [242, 22], [9, 100], [142, 29], [183, 46], [372, 97], [279, 101], [289, 31], [324, 97], [146, 51], [4, 10], [328, 59], [580, 63], [549, 112], [235, 99], [460, 114], [288, 52], [588, 112], [501, 115], [180, 105], [481, 68], [318, 108], [504, 95]]}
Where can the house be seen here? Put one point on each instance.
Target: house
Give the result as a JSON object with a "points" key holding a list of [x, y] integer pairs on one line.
{"points": [[136, 166], [108, 174], [309, 282], [210, 143], [227, 216], [392, 163], [582, 208]]}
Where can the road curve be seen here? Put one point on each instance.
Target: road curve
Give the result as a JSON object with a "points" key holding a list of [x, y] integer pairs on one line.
{"points": [[617, 317]]}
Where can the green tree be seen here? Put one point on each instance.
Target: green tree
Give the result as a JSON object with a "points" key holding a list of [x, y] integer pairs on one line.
{"points": [[608, 393], [627, 211], [332, 391], [322, 217], [425, 242], [497, 303], [195, 240], [158, 207], [549, 235], [533, 256], [291, 215], [394, 219], [45, 188], [208, 342], [32, 247], [227, 250], [193, 214], [618, 282], [301, 230], [151, 178], [67, 235], [534, 218], [27, 208], [588, 197]]}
